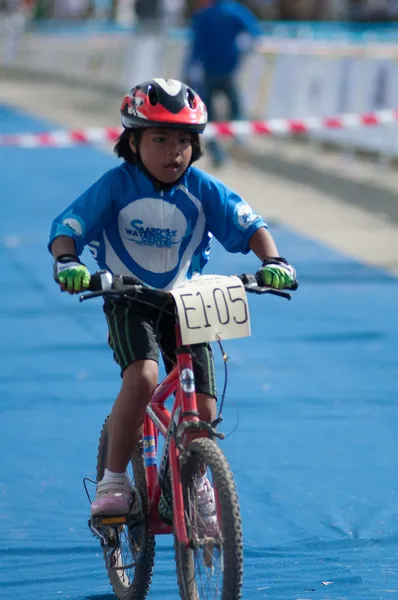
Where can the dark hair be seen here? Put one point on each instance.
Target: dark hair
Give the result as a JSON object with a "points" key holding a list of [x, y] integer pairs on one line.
{"points": [[122, 147]]}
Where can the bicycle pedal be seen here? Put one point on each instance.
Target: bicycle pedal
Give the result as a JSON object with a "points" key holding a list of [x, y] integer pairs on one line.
{"points": [[117, 520]]}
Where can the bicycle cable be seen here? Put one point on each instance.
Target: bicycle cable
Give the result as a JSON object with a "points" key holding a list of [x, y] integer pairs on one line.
{"points": [[219, 419], [225, 357], [85, 487], [235, 427]]}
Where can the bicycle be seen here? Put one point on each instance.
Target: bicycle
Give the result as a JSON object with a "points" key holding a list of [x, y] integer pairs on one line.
{"points": [[208, 308]]}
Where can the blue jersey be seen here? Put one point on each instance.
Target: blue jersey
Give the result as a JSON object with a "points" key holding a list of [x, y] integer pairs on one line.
{"points": [[162, 237]]}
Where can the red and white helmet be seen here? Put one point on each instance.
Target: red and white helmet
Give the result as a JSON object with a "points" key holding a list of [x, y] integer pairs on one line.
{"points": [[163, 103]]}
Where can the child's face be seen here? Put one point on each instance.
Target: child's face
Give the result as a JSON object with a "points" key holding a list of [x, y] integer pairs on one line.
{"points": [[166, 153]]}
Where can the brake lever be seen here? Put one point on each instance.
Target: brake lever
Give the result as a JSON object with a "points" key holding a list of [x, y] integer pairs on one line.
{"points": [[84, 297], [281, 294], [251, 285], [256, 289], [117, 290]]}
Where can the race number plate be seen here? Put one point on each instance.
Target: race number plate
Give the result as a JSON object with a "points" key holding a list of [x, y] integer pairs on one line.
{"points": [[212, 307]]}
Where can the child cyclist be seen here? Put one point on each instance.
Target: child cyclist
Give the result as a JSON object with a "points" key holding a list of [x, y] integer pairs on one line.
{"points": [[153, 217]]}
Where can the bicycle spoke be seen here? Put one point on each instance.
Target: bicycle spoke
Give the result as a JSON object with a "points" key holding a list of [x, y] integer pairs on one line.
{"points": [[209, 584]]}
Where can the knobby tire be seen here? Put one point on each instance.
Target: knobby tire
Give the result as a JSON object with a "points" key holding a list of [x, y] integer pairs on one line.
{"points": [[207, 450]]}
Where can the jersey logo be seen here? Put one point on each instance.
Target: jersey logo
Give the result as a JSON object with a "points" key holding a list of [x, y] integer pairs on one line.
{"points": [[157, 234], [73, 224], [244, 215], [143, 235]]}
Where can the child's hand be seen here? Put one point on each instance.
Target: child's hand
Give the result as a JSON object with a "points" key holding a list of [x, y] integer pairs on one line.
{"points": [[72, 275], [276, 273]]}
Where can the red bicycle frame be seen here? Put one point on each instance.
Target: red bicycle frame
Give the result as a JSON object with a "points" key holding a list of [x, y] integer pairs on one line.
{"points": [[159, 419]]}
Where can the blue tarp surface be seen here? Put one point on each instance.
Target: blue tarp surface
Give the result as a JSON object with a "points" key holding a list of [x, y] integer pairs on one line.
{"points": [[311, 404]]}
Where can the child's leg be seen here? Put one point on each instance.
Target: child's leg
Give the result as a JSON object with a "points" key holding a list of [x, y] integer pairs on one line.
{"points": [[133, 342], [205, 382], [131, 336], [207, 407], [127, 417]]}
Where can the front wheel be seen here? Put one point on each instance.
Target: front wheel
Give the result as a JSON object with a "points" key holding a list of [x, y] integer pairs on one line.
{"points": [[211, 567]]}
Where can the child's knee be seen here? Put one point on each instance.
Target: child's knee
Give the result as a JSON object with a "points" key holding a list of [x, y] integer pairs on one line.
{"points": [[140, 378]]}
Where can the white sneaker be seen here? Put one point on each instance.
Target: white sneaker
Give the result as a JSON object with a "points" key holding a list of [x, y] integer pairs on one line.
{"points": [[206, 509], [113, 497]]}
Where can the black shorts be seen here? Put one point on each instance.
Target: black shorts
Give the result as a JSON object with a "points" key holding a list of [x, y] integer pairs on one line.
{"points": [[132, 337]]}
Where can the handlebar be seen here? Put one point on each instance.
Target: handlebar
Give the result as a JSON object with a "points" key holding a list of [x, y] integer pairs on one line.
{"points": [[252, 286], [104, 283]]}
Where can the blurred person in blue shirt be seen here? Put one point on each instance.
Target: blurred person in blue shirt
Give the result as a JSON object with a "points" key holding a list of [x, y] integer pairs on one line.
{"points": [[223, 33]]}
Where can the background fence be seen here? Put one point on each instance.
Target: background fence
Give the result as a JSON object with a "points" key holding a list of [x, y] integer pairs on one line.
{"points": [[281, 79]]}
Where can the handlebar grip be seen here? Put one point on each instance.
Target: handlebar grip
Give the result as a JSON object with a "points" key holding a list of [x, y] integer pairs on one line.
{"points": [[95, 283], [294, 285], [103, 280]]}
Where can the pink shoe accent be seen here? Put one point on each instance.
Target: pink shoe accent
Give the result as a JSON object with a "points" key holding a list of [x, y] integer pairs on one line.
{"points": [[113, 498]]}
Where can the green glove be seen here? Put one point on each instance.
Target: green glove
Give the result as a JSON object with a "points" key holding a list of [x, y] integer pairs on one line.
{"points": [[276, 273], [71, 274]]}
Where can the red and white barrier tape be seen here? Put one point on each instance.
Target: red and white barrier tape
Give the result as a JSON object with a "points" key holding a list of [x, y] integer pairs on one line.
{"points": [[65, 138]]}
